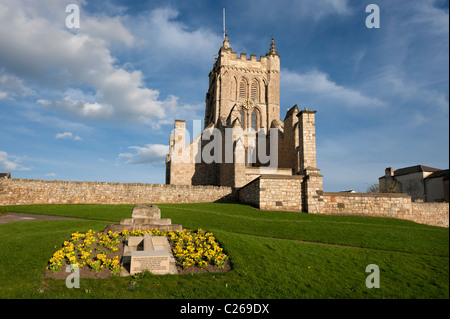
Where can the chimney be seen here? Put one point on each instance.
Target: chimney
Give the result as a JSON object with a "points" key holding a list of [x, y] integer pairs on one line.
{"points": [[388, 172]]}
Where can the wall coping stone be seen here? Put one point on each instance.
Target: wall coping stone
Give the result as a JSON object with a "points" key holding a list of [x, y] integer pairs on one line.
{"points": [[306, 112], [272, 176], [391, 195], [263, 168], [12, 180]]}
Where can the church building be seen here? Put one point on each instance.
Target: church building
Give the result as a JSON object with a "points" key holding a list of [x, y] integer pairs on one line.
{"points": [[243, 132]]}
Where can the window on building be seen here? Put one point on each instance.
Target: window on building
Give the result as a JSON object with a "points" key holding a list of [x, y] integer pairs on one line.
{"points": [[242, 89], [254, 121], [241, 114], [254, 91]]}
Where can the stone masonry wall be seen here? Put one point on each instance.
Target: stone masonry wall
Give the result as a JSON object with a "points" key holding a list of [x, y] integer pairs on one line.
{"points": [[307, 139], [281, 193], [435, 214], [385, 205], [249, 194], [251, 173], [366, 204], [274, 192], [24, 191], [268, 192]]}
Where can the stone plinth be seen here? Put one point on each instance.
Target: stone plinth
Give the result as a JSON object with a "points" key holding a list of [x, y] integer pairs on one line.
{"points": [[146, 221], [144, 217], [146, 211], [157, 262]]}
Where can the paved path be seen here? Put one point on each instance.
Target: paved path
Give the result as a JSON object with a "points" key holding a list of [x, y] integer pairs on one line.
{"points": [[22, 217]]}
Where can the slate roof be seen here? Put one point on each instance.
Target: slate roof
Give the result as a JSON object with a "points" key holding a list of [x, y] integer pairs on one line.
{"points": [[415, 169], [442, 173]]}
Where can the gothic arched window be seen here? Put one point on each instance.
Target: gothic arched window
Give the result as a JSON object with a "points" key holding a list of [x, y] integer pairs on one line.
{"points": [[254, 121], [243, 89], [241, 114], [254, 91]]}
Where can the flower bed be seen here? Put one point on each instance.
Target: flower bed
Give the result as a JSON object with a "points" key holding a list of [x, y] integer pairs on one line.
{"points": [[99, 253]]}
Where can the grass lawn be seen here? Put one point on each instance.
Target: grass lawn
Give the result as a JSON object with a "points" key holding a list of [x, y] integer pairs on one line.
{"points": [[274, 255]]}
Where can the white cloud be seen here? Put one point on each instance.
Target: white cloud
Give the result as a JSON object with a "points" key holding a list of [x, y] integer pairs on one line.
{"points": [[318, 9], [409, 64], [53, 121], [50, 175], [109, 29], [67, 136], [173, 37], [395, 86], [318, 85], [304, 9], [11, 163], [166, 39], [12, 87], [153, 154], [430, 18], [38, 49], [80, 108]]}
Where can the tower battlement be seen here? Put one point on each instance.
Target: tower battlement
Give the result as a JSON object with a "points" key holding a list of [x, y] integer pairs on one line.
{"points": [[227, 57]]}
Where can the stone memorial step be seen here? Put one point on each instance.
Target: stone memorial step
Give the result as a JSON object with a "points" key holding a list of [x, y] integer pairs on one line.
{"points": [[146, 221], [144, 217], [146, 211], [152, 253]]}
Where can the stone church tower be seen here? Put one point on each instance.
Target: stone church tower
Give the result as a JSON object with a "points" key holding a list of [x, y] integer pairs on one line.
{"points": [[249, 87], [244, 96]]}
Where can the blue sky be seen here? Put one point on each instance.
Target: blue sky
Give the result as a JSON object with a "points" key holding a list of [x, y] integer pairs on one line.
{"points": [[98, 103]]}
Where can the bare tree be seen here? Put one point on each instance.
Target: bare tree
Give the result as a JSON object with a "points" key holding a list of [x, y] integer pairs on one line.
{"points": [[390, 186]]}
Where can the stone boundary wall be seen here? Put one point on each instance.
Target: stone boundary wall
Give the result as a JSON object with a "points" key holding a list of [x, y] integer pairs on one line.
{"points": [[435, 214], [274, 192], [385, 205], [249, 194], [26, 191], [267, 192], [366, 204]]}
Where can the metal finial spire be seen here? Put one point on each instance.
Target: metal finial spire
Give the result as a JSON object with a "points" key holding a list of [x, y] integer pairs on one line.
{"points": [[224, 30], [226, 43]]}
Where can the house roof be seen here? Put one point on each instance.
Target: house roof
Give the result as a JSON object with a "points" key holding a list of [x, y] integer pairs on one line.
{"points": [[442, 173], [415, 169]]}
